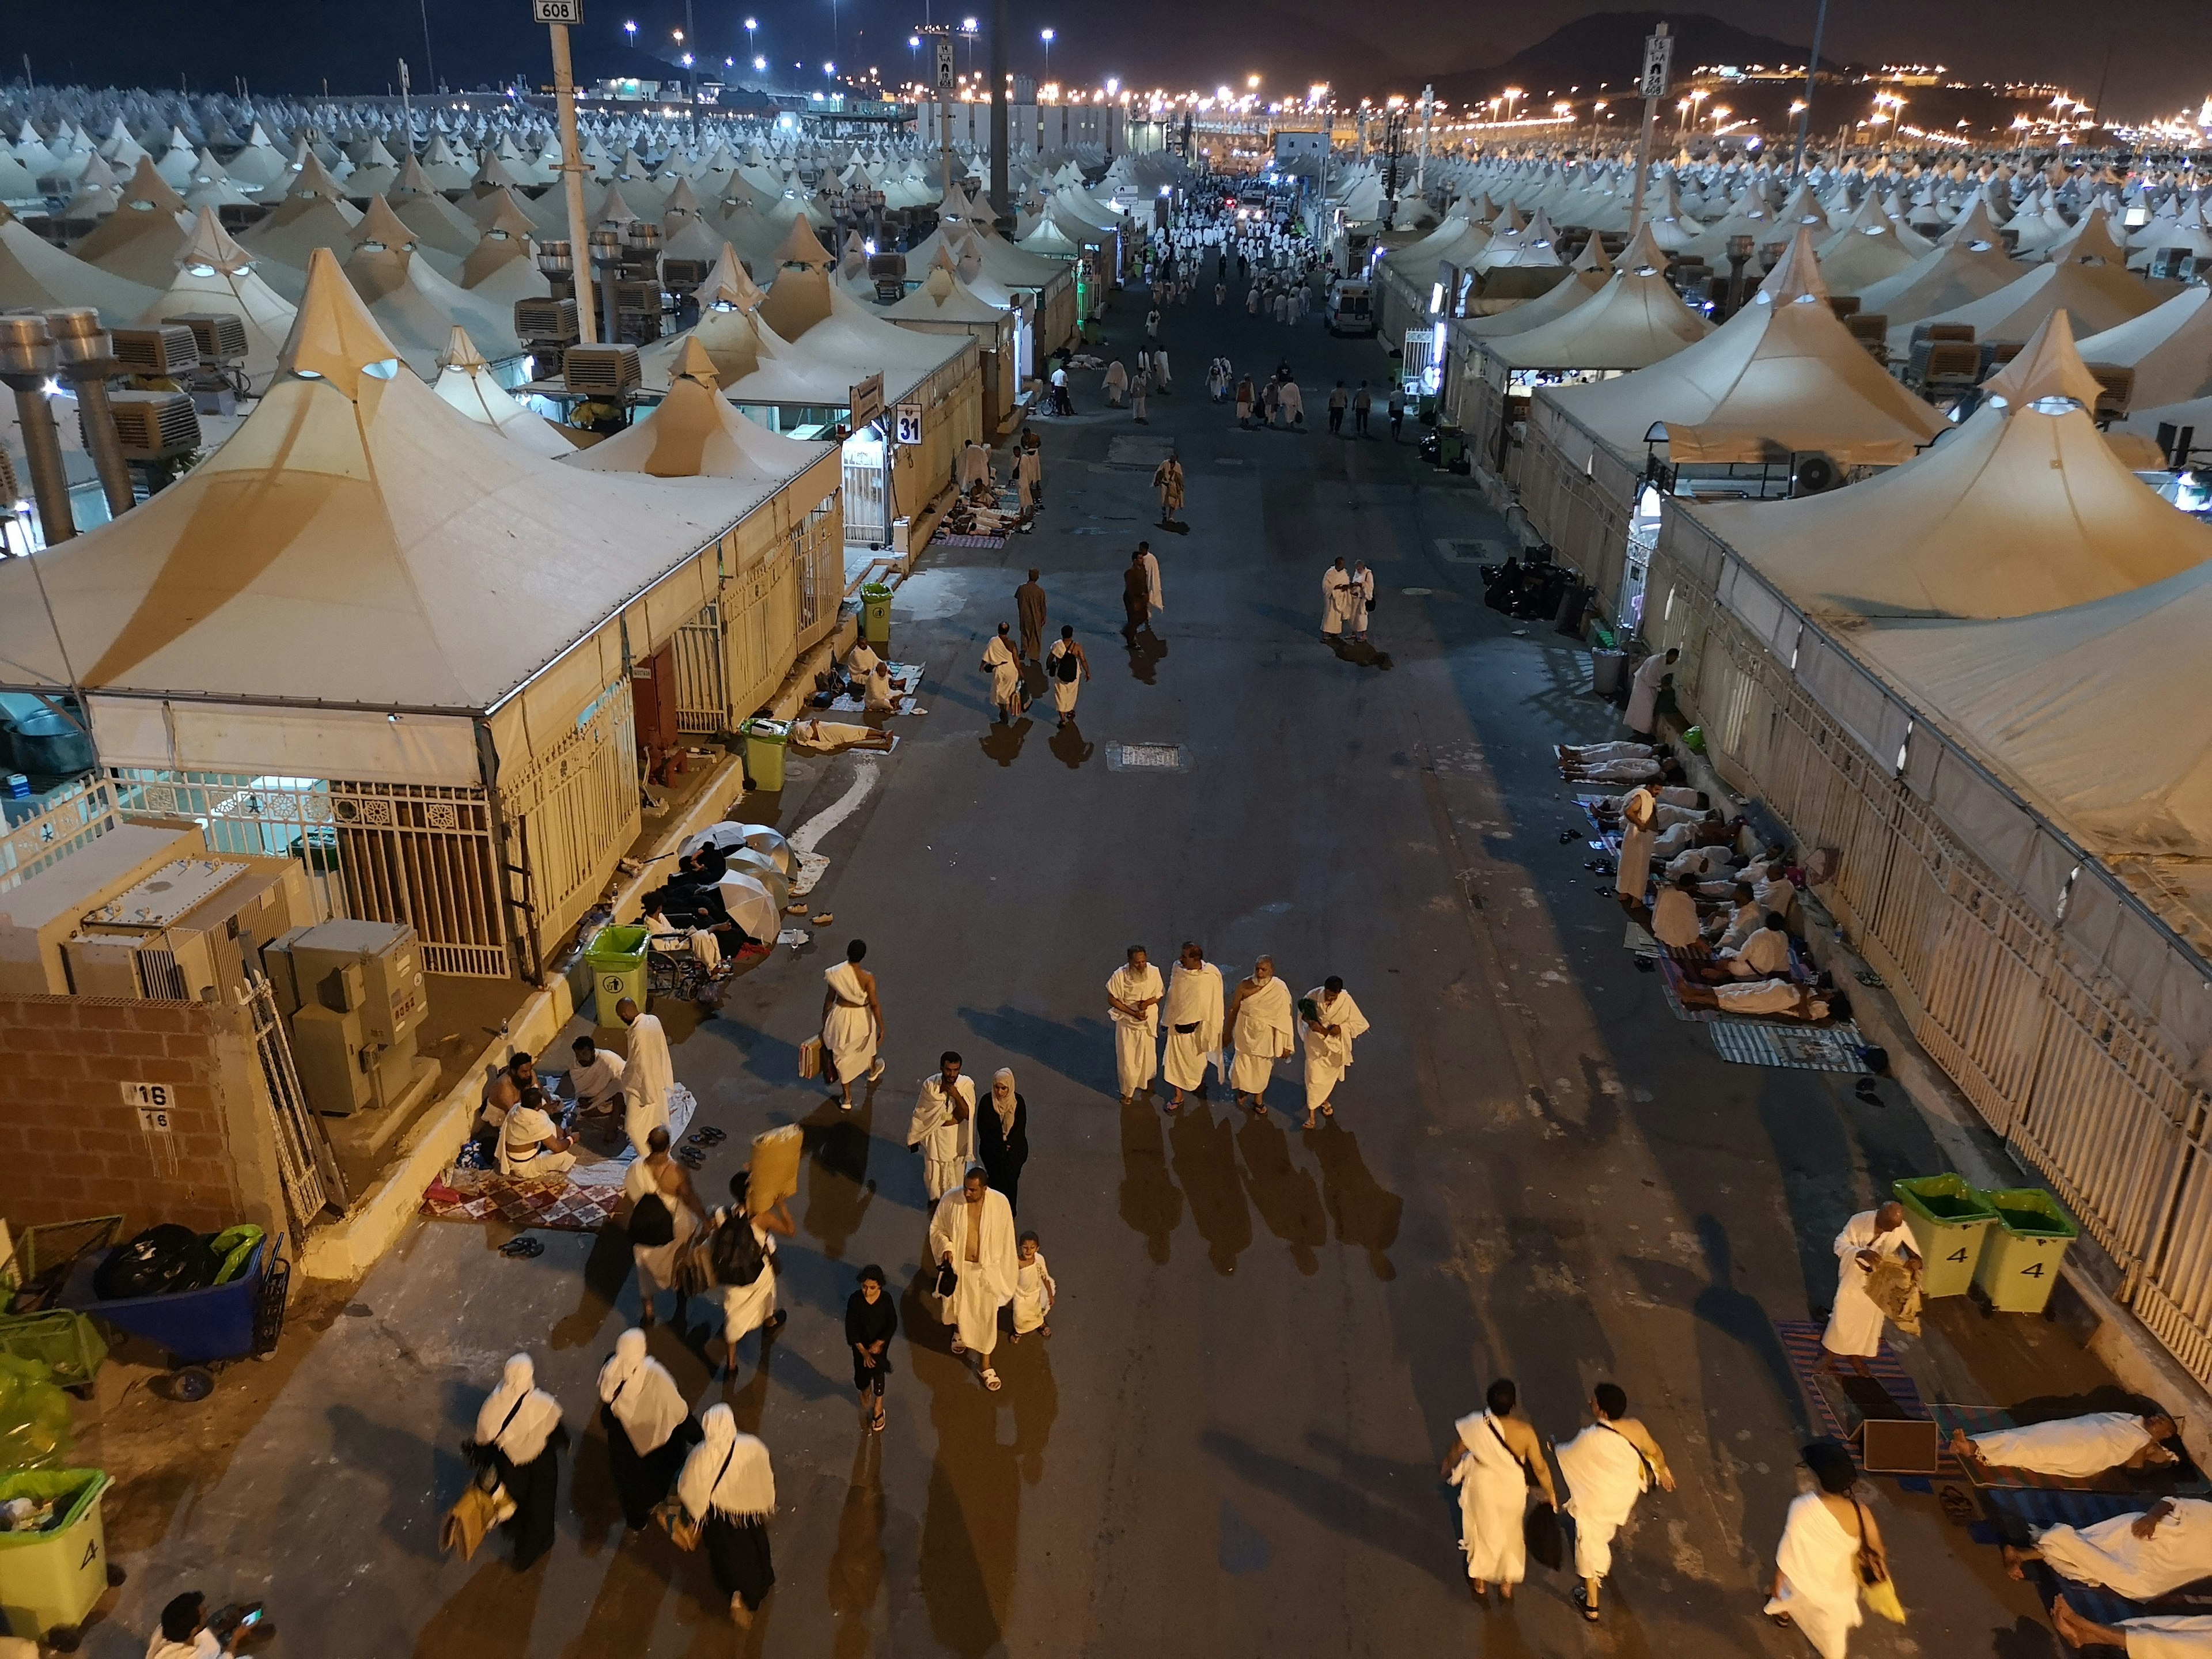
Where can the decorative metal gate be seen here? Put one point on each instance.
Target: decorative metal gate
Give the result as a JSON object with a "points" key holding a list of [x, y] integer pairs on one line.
{"points": [[703, 698], [304, 1165]]}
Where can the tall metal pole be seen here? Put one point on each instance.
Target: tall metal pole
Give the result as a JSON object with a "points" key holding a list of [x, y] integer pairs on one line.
{"points": [[1421, 166], [1001, 94], [406, 109], [1805, 115], [1658, 56], [571, 185]]}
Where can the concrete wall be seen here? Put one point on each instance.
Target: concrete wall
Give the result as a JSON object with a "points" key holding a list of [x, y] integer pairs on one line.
{"points": [[73, 1146]]}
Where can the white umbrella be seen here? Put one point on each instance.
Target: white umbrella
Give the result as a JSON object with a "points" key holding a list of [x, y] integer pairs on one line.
{"points": [[760, 837], [751, 905], [762, 868]]}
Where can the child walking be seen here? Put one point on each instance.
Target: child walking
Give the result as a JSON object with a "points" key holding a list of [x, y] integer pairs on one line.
{"points": [[1033, 1290]]}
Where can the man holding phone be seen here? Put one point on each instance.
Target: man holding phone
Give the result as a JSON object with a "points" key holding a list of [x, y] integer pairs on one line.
{"points": [[185, 1632]]}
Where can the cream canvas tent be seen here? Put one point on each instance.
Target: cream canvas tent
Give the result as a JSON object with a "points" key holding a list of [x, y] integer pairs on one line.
{"points": [[2169, 347], [214, 275], [368, 625], [2024, 508], [1781, 377], [465, 382], [36, 276], [1590, 271], [141, 240], [1968, 263], [2054, 704], [695, 433], [417, 308], [2092, 284]]}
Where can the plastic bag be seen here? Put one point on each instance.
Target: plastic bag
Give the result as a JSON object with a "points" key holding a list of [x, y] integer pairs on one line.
{"points": [[34, 1416]]}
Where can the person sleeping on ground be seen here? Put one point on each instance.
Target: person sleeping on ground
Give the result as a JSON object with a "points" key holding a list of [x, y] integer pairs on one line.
{"points": [[2141, 1556], [2074, 1448], [1665, 769], [1595, 754], [1764, 998], [2159, 1636]]}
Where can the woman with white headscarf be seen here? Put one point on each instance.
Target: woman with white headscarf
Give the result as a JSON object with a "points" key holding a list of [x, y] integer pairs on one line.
{"points": [[1002, 1136], [648, 1426], [728, 1487], [520, 1430]]}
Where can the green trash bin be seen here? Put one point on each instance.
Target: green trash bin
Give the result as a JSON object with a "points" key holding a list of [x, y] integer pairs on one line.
{"points": [[1948, 1221], [50, 1579], [2020, 1257], [616, 957], [764, 745], [876, 614]]}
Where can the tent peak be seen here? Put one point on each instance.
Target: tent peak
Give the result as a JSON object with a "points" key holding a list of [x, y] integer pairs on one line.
{"points": [[333, 337], [2048, 366]]}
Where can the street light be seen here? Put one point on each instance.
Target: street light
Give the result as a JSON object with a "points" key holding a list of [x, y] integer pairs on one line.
{"points": [[760, 65], [1048, 35], [630, 29], [751, 24]]}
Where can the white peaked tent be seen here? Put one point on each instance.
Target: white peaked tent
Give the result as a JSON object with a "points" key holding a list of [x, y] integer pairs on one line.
{"points": [[464, 381], [694, 434], [1590, 271], [2091, 283], [365, 588], [1635, 320], [2025, 508], [1783, 376], [214, 274], [502, 267], [2169, 347], [140, 240], [1968, 263], [1868, 248], [2055, 705], [36, 276], [417, 308]]}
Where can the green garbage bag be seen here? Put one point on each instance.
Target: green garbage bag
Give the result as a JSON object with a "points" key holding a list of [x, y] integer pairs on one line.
{"points": [[34, 1415], [1694, 739]]}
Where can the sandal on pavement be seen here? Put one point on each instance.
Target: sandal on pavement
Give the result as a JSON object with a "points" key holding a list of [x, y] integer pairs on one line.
{"points": [[991, 1381], [958, 1346], [1583, 1601]]}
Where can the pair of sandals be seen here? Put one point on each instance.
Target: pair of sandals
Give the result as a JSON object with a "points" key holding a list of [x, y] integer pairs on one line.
{"points": [[990, 1377], [1325, 1111]]}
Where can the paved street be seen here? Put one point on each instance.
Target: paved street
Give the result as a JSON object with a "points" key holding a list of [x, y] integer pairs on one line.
{"points": [[1229, 1445]]}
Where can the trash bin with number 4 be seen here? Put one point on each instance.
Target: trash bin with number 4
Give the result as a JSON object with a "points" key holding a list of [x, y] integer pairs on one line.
{"points": [[1949, 1222], [2021, 1258]]}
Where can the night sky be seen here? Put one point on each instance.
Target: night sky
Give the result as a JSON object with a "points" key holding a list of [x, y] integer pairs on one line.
{"points": [[2161, 50]]}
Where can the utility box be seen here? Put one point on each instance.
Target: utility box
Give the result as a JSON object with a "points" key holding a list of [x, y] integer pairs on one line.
{"points": [[353, 991]]}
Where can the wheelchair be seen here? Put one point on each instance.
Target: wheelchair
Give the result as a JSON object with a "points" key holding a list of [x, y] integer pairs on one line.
{"points": [[670, 969]]}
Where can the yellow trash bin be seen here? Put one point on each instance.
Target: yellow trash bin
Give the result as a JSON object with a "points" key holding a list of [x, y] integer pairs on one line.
{"points": [[2021, 1258], [50, 1579], [1949, 1222]]}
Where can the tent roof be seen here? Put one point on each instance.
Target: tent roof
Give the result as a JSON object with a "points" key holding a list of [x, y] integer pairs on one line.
{"points": [[2054, 704], [2169, 347], [464, 381], [695, 433], [36, 276], [355, 543], [2023, 509], [2096, 294], [1634, 318], [1782, 374], [943, 298]]}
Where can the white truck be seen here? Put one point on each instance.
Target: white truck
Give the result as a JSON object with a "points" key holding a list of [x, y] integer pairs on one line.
{"points": [[1351, 307]]}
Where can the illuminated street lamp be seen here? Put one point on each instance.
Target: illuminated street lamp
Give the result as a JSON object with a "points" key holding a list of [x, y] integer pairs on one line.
{"points": [[1046, 35]]}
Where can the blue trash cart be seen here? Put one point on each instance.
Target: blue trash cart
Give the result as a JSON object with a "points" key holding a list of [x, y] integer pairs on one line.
{"points": [[202, 1329]]}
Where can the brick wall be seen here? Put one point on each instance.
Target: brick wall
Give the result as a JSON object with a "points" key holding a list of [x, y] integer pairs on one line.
{"points": [[71, 1146]]}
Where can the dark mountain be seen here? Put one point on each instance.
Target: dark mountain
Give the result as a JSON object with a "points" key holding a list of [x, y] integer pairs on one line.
{"points": [[1606, 47]]}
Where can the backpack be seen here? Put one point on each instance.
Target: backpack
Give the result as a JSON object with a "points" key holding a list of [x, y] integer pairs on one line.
{"points": [[650, 1223], [735, 1252], [1067, 666]]}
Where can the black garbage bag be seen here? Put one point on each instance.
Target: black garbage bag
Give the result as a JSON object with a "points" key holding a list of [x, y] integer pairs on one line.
{"points": [[163, 1258]]}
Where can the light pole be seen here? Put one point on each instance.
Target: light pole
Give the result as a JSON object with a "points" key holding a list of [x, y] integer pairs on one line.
{"points": [[835, 46], [1046, 35], [752, 27], [685, 58], [968, 28]]}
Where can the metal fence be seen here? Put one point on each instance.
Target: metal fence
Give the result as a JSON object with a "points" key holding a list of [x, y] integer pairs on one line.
{"points": [[70, 818], [2050, 993]]}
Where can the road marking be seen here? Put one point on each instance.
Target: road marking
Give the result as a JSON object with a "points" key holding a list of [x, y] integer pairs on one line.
{"points": [[810, 834], [1146, 757]]}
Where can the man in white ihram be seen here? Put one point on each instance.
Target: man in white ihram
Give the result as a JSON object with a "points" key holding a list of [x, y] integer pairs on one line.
{"points": [[1193, 1022], [1868, 1238], [1260, 1027], [1608, 1465], [2074, 1448], [1327, 1034], [972, 1232], [1643, 690], [2141, 1556], [647, 1075], [943, 1127], [1133, 997]]}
